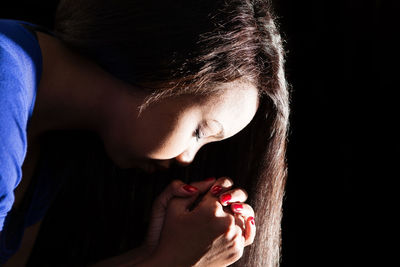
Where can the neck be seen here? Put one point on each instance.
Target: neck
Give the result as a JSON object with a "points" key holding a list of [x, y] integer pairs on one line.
{"points": [[73, 92]]}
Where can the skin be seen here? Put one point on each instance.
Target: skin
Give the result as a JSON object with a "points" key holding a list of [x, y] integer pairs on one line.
{"points": [[220, 233], [85, 97], [167, 130], [76, 94]]}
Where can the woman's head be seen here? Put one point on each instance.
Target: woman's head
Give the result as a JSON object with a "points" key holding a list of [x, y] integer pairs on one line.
{"points": [[172, 48], [193, 49], [177, 127]]}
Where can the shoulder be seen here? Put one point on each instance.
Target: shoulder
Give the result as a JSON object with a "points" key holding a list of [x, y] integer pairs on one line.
{"points": [[15, 35], [20, 67], [20, 54]]}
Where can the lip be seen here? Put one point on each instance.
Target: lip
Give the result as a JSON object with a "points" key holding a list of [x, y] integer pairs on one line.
{"points": [[163, 164], [150, 166]]}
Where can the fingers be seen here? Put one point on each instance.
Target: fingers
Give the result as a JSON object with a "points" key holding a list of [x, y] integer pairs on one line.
{"points": [[246, 212], [175, 189], [250, 231], [247, 227], [179, 189], [205, 185], [232, 196], [220, 186], [221, 189], [243, 209], [240, 221]]}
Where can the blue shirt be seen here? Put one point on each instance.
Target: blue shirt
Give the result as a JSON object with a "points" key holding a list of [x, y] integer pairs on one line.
{"points": [[20, 72]]}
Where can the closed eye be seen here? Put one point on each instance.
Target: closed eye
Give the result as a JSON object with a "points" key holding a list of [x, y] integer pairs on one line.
{"points": [[198, 134]]}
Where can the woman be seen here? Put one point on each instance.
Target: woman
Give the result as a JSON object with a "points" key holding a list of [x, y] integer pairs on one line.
{"points": [[183, 74]]}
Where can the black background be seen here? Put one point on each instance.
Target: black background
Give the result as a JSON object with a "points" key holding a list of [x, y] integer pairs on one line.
{"points": [[331, 65]]}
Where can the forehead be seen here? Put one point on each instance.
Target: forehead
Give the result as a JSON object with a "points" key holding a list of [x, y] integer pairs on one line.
{"points": [[234, 94], [227, 98], [234, 108]]}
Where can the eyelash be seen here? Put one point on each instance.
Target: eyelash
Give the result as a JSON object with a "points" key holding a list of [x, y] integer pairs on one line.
{"points": [[197, 134]]}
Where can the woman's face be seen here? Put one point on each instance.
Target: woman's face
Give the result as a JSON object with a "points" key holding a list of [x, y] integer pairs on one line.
{"points": [[175, 129]]}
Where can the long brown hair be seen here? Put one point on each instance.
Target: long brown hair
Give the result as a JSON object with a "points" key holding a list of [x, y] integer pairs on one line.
{"points": [[175, 47]]}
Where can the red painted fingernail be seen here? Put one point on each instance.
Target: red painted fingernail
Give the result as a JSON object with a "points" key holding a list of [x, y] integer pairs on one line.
{"points": [[209, 179], [190, 188], [216, 189], [251, 219], [237, 206], [225, 198]]}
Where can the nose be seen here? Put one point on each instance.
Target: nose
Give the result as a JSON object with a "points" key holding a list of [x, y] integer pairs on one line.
{"points": [[185, 158]]}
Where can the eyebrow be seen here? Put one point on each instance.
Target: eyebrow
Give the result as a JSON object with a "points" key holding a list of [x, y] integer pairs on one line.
{"points": [[221, 132]]}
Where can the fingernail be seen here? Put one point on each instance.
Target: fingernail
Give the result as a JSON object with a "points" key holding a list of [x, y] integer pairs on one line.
{"points": [[209, 179], [251, 219], [190, 188], [216, 189], [225, 198], [237, 206]]}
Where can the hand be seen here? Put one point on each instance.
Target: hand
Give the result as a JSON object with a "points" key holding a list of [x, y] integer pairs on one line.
{"points": [[235, 198], [208, 235], [140, 256], [175, 189]]}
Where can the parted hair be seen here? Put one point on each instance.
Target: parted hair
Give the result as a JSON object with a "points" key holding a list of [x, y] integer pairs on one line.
{"points": [[176, 47]]}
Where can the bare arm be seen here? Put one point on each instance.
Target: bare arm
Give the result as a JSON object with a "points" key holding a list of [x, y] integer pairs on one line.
{"points": [[135, 257], [20, 258]]}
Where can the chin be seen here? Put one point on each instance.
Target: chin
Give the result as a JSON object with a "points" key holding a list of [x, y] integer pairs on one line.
{"points": [[148, 165], [122, 164], [121, 161]]}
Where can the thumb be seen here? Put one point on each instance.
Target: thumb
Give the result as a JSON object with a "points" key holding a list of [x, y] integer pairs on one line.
{"points": [[180, 205], [175, 189]]}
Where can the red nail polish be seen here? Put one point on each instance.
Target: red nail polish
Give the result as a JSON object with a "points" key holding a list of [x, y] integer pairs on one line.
{"points": [[209, 179], [190, 188], [238, 207], [225, 198], [252, 220], [216, 189]]}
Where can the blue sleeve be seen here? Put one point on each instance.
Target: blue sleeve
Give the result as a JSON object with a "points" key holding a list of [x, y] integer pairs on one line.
{"points": [[20, 70]]}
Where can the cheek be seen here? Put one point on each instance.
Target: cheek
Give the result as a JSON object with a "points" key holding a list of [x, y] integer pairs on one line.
{"points": [[161, 139]]}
